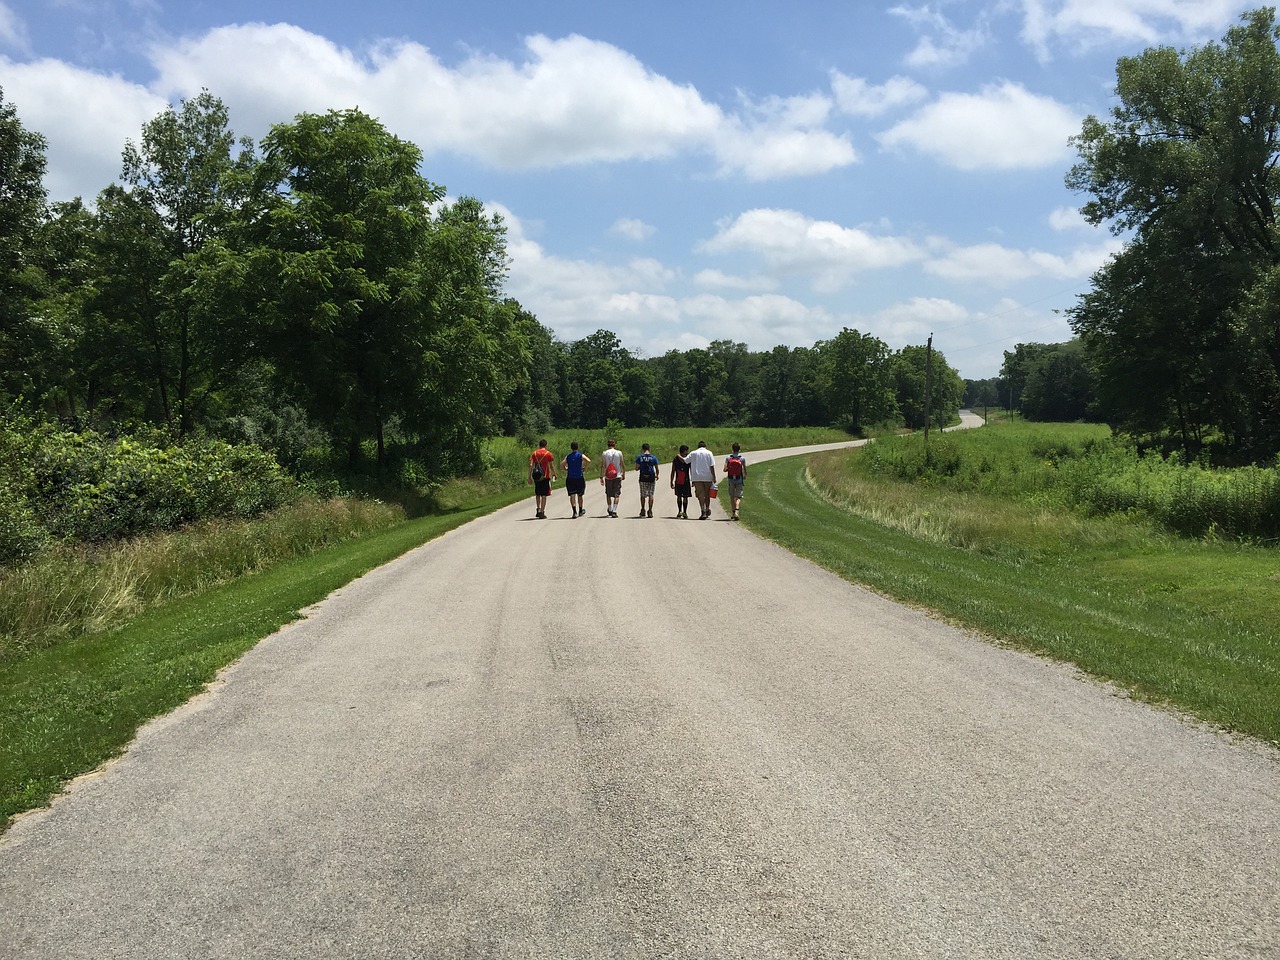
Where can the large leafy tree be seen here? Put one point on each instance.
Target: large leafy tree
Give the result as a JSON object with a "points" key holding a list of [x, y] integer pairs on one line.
{"points": [[343, 247], [27, 341], [170, 279], [1181, 324], [856, 381]]}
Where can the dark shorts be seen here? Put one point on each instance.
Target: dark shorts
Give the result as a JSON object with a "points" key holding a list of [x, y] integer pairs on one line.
{"points": [[542, 488], [613, 486], [684, 490], [575, 486]]}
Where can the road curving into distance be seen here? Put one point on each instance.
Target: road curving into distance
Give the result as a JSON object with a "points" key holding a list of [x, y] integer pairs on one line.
{"points": [[648, 738]]}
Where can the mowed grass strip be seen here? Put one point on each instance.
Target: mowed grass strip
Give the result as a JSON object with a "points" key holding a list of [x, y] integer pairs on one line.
{"points": [[1188, 624], [66, 709]]}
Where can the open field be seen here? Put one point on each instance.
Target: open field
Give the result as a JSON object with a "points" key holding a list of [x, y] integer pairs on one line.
{"points": [[1193, 623]]}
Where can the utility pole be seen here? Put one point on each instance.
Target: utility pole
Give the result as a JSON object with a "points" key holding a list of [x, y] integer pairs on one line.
{"points": [[928, 390]]}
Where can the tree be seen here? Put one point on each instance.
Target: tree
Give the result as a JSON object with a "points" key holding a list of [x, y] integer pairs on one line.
{"points": [[341, 253], [1059, 386], [946, 387], [856, 380], [1179, 325], [172, 276], [26, 338]]}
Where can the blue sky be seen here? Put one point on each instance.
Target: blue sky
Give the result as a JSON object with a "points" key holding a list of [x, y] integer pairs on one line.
{"points": [[674, 172]]}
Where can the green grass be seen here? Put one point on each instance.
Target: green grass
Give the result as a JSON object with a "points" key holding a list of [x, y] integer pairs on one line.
{"points": [[1192, 624], [65, 709]]}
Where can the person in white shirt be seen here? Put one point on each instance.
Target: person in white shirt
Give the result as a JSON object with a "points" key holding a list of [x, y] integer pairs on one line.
{"points": [[612, 472], [702, 471]]}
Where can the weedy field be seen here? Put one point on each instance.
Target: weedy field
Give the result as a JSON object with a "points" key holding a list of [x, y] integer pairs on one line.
{"points": [[1056, 539]]}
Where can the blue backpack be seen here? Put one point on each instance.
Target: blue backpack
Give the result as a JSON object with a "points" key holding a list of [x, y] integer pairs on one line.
{"points": [[648, 465]]}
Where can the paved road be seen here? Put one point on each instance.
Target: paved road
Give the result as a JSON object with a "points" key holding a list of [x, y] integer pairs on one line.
{"points": [[649, 738]]}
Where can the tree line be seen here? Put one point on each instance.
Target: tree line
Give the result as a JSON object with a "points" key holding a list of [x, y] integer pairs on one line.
{"points": [[852, 381], [316, 289]]}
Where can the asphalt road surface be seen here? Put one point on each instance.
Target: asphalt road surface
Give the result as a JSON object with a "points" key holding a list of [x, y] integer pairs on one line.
{"points": [[648, 738]]}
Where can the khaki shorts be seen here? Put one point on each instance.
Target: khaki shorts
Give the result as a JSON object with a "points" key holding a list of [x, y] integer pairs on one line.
{"points": [[613, 486], [702, 490]]}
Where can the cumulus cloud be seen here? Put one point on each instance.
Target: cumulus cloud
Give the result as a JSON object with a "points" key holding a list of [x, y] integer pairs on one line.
{"points": [[631, 229], [997, 265], [566, 101], [636, 301], [856, 97], [793, 244], [571, 100], [1065, 219], [1084, 23], [941, 43], [1004, 127], [911, 321], [85, 117]]}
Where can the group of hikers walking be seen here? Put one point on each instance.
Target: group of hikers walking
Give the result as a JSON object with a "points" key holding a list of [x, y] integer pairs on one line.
{"points": [[692, 476]]}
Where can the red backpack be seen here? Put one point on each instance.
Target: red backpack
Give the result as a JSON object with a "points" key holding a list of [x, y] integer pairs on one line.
{"points": [[733, 467]]}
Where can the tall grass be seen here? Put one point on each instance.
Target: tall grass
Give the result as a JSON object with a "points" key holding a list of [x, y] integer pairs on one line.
{"points": [[1080, 467], [73, 591]]}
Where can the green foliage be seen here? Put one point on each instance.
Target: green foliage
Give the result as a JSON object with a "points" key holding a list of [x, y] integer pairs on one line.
{"points": [[86, 487], [1081, 467], [1180, 324]]}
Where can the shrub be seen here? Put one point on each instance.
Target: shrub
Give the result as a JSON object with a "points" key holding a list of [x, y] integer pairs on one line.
{"points": [[86, 487]]}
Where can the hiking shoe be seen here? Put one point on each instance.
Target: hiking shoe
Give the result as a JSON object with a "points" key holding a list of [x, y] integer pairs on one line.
{"points": [[642, 513], [650, 512]]}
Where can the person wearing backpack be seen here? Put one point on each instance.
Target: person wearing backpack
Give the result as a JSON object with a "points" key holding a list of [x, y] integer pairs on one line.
{"points": [[575, 480], [612, 473], [542, 467], [647, 467], [680, 482], [735, 474]]}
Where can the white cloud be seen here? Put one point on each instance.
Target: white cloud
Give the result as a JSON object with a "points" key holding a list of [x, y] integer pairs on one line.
{"points": [[86, 118], [941, 43], [1004, 127], [781, 137], [856, 97], [572, 100], [13, 31], [911, 321], [577, 297], [718, 280], [1066, 219], [1084, 23], [631, 229], [793, 244], [997, 265]]}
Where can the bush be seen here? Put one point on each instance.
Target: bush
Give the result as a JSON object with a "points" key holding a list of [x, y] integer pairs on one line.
{"points": [[85, 487]]}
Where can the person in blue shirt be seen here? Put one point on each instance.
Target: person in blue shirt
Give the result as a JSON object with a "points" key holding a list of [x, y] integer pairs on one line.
{"points": [[575, 481], [647, 466]]}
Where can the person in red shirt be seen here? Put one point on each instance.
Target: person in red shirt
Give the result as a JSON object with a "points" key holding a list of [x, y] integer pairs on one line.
{"points": [[542, 470]]}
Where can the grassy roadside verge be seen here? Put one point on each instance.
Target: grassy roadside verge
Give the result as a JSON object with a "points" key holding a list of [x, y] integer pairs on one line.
{"points": [[1189, 624], [68, 708]]}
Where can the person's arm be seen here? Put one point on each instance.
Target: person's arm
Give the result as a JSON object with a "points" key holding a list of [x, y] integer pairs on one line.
{"points": [[529, 475]]}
